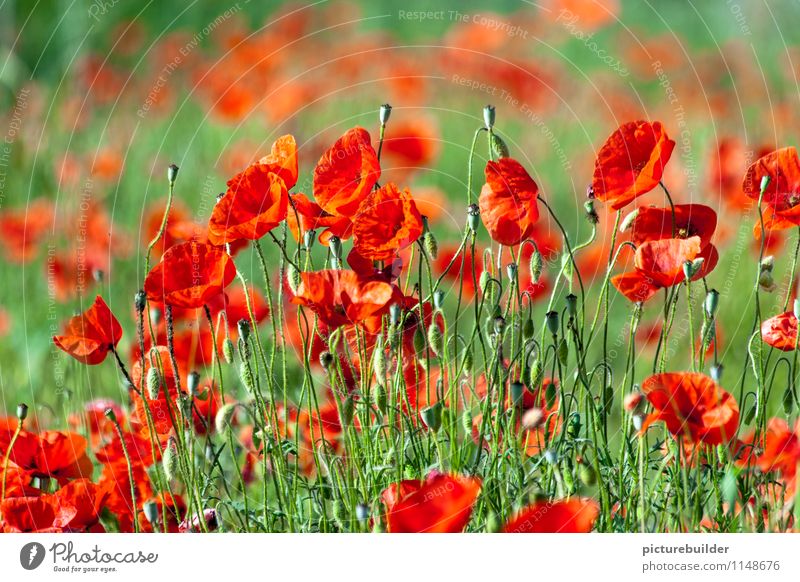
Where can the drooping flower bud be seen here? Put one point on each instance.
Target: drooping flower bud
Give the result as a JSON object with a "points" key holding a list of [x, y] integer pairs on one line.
{"points": [[788, 400], [227, 350], [224, 417], [348, 410], [535, 375], [550, 394], [563, 351], [499, 146], [246, 375], [170, 460], [430, 244], [435, 339], [528, 329], [628, 221], [535, 266], [153, 383], [381, 398], [432, 416]]}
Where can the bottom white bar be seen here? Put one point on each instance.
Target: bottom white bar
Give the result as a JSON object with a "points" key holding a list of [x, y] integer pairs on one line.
{"points": [[354, 557]]}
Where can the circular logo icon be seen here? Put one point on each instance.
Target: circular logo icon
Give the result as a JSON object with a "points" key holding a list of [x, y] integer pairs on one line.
{"points": [[31, 555]]}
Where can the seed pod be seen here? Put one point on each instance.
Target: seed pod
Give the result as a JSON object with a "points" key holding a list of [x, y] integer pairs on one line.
{"points": [[438, 300], [711, 303], [140, 301], [384, 113], [435, 339], [244, 329], [170, 460], [473, 217], [172, 173], [535, 265], [552, 322], [193, 382], [309, 237], [227, 350], [153, 383], [224, 417], [22, 411], [499, 146], [489, 116], [572, 305]]}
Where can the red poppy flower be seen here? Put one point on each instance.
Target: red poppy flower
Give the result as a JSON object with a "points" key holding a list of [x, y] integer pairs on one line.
{"points": [[410, 145], [690, 220], [572, 516], [781, 449], [73, 508], [190, 275], [282, 160], [387, 221], [508, 202], [631, 162], [783, 168], [52, 454], [692, 405], [780, 331], [255, 203], [22, 230], [88, 337], [659, 264], [344, 298], [306, 215], [346, 173], [440, 504]]}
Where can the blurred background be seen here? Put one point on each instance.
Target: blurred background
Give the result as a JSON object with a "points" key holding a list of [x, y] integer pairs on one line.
{"points": [[98, 98]]}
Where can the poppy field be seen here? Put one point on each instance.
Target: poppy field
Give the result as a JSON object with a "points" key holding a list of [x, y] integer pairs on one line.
{"points": [[356, 268]]}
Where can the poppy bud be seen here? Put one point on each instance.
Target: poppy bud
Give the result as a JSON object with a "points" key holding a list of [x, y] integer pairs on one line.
{"points": [[716, 372], [432, 416], [394, 313], [326, 359], [591, 213], [574, 425], [348, 410], [153, 383], [140, 301], [466, 421], [499, 146], [528, 329], [488, 116], [688, 272], [467, 360], [335, 245], [419, 340], [483, 281], [293, 278], [170, 459], [711, 303], [431, 246], [384, 113], [379, 364], [535, 266], [550, 394], [512, 271], [150, 510], [339, 512], [435, 339], [381, 398], [563, 351], [499, 324], [748, 417], [572, 304], [533, 418], [517, 390], [246, 375], [22, 411], [222, 421], [551, 320], [172, 173], [587, 475], [244, 329], [193, 382], [227, 350], [628, 221], [788, 400], [535, 375], [473, 217]]}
